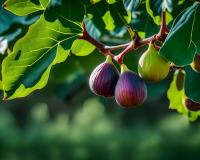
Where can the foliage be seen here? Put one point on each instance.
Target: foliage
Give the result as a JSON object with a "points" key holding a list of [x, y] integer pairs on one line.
{"points": [[57, 29]]}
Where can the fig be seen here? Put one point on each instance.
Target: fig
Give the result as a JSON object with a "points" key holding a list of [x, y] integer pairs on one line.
{"points": [[152, 67], [131, 89], [191, 105], [196, 63], [103, 79], [180, 79]]}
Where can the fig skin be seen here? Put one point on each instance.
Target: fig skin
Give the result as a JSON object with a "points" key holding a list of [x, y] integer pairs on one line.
{"points": [[130, 90], [191, 105], [196, 63], [180, 80], [103, 79], [152, 67]]}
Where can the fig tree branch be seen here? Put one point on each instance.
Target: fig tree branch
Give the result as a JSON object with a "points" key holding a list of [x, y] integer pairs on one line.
{"points": [[135, 43]]}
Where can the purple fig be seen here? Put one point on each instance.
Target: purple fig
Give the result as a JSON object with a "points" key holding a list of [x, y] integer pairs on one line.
{"points": [[104, 78], [191, 105], [196, 63], [130, 90]]}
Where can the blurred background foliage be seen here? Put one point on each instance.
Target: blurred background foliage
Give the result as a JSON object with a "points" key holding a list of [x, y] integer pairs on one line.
{"points": [[66, 121]]}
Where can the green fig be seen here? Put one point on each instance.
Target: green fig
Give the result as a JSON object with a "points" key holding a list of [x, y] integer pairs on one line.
{"points": [[196, 63], [152, 67]]}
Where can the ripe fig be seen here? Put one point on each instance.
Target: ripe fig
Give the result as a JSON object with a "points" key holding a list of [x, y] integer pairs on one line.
{"points": [[180, 79], [130, 90], [191, 105], [152, 67], [196, 63], [103, 79]]}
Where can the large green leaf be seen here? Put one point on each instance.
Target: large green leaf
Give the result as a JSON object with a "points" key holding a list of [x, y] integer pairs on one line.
{"points": [[27, 67], [24, 7], [192, 85], [183, 40], [176, 96]]}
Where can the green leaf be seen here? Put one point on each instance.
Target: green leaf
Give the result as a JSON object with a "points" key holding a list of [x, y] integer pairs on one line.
{"points": [[183, 40], [109, 22], [1, 85], [92, 29], [107, 15], [154, 9], [111, 1], [142, 22], [192, 84], [25, 7], [131, 5], [177, 96], [27, 68], [81, 47]]}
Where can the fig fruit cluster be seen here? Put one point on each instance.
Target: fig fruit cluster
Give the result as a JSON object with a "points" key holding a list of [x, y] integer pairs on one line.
{"points": [[129, 88]]}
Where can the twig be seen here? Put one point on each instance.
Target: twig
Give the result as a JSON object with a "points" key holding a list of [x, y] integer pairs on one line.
{"points": [[135, 43]]}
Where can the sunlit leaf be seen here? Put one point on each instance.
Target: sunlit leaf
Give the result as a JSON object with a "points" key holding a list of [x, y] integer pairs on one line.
{"points": [[109, 22], [81, 47], [27, 68], [154, 9], [24, 7], [177, 96]]}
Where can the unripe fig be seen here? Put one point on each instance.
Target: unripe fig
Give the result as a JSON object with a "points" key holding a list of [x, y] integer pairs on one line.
{"points": [[191, 105], [130, 90], [152, 67], [196, 63], [103, 79]]}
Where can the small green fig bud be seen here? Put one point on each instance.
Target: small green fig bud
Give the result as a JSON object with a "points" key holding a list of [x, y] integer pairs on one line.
{"points": [[196, 63], [103, 79], [130, 90], [152, 67], [191, 105]]}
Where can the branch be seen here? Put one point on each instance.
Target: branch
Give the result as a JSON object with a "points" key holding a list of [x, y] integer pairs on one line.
{"points": [[163, 28], [135, 43], [119, 58], [117, 46]]}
